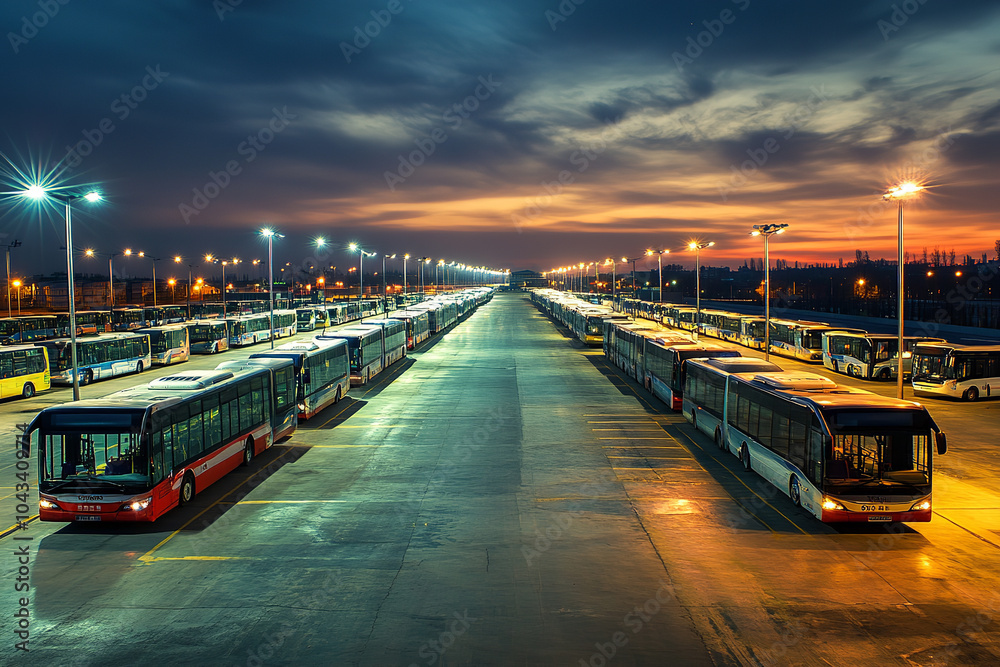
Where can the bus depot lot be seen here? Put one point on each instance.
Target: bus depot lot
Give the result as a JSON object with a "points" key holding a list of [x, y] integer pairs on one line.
{"points": [[510, 499]]}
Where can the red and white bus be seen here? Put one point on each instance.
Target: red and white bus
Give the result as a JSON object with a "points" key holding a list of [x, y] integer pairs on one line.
{"points": [[137, 453]]}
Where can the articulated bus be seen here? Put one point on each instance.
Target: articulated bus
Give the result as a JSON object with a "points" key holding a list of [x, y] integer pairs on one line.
{"points": [[801, 340], [364, 345], [249, 329], [137, 453], [208, 336], [869, 356], [843, 454], [393, 340], [98, 358], [284, 403], [88, 323], [704, 399], [168, 344], [968, 372], [20, 330], [322, 372], [665, 367], [285, 323], [24, 371], [418, 326], [680, 317]]}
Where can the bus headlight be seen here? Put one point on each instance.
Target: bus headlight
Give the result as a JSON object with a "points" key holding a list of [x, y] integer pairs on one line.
{"points": [[139, 505], [923, 505], [46, 504], [829, 504]]}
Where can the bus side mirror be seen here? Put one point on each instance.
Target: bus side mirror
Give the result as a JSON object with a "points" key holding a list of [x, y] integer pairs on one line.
{"points": [[942, 442]]}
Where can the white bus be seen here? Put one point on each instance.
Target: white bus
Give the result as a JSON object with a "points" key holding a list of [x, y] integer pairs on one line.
{"points": [[968, 372], [249, 329], [418, 326], [869, 356], [168, 344], [665, 367], [393, 340], [322, 369], [801, 340], [364, 345], [98, 357], [285, 323], [842, 454], [208, 336], [704, 401]]}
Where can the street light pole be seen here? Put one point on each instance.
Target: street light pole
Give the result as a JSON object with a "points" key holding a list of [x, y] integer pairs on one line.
{"points": [[406, 256], [15, 244], [899, 193], [269, 234], [766, 231], [698, 247]]}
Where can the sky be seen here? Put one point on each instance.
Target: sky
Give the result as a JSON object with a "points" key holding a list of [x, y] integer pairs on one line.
{"points": [[517, 134]]}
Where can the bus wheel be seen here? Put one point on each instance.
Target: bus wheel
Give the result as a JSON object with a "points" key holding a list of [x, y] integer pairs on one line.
{"points": [[248, 452], [853, 371], [718, 439], [364, 378], [138, 367], [745, 457], [88, 377], [187, 489], [694, 418], [28, 391], [885, 374], [971, 395], [836, 366], [338, 396], [793, 491]]}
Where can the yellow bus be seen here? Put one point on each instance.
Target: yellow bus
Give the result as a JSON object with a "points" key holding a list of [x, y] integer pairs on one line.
{"points": [[24, 371]]}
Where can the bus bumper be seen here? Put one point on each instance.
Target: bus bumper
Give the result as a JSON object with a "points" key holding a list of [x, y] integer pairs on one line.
{"points": [[846, 516], [116, 515]]}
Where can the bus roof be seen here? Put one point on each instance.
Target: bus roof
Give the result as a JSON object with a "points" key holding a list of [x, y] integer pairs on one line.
{"points": [[165, 327], [944, 348], [824, 392], [737, 364], [83, 340]]}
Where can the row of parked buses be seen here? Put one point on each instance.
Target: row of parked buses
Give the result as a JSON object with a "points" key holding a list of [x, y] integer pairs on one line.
{"points": [[137, 453], [841, 453]]}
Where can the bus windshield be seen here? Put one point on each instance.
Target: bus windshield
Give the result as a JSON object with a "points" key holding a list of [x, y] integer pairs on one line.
{"points": [[887, 449], [931, 367], [202, 333]]}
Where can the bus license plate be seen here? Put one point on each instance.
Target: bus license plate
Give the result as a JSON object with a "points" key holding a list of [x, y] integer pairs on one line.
{"points": [[88, 517], [880, 518]]}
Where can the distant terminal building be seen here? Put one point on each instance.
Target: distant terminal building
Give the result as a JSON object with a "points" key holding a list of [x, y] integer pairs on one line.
{"points": [[527, 279]]}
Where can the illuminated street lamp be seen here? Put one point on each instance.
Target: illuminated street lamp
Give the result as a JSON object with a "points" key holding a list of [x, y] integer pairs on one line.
{"points": [[423, 261], [659, 264], [128, 253], [898, 194], [405, 257], [269, 234], [178, 260], [14, 244], [37, 192], [16, 284], [385, 285], [698, 247], [614, 279], [171, 282], [766, 231], [354, 247]]}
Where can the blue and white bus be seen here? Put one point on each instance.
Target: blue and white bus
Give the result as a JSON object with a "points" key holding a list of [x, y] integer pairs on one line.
{"points": [[322, 371], [968, 372], [418, 326], [27, 329], [842, 454], [364, 345], [249, 329], [168, 344], [869, 356], [99, 357], [285, 323], [208, 336], [704, 402], [393, 340]]}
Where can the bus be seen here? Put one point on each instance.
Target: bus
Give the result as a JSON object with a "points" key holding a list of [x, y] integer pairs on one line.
{"points": [[665, 368], [168, 344], [24, 371], [249, 330], [285, 322], [393, 340], [136, 454], [160, 315], [869, 356], [968, 372], [801, 340], [128, 319], [842, 454], [88, 323], [98, 358], [704, 400], [322, 372], [364, 345], [208, 336], [418, 326], [310, 319], [284, 396], [752, 331], [20, 330], [680, 317]]}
